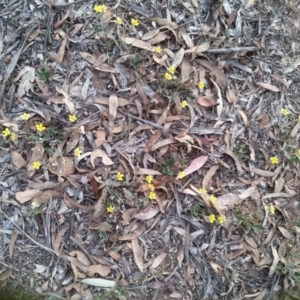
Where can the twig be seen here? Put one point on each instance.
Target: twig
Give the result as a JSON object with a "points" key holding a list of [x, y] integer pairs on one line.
{"points": [[235, 49], [24, 233], [83, 250]]}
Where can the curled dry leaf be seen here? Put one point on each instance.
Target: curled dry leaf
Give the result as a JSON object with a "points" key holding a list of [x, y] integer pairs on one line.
{"points": [[17, 159], [25, 196], [81, 257], [138, 254], [206, 101], [62, 166], [99, 269], [178, 58], [229, 199], [45, 196], [158, 260], [195, 165], [152, 212], [100, 153]]}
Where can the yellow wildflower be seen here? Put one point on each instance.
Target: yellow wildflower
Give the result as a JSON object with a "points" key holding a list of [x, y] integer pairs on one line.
{"points": [[110, 208], [118, 21], [100, 8], [272, 209], [181, 174], [212, 198], [72, 118], [201, 85], [202, 191], [120, 176], [285, 111], [221, 219], [135, 22], [36, 165], [149, 178], [152, 195], [212, 218], [274, 160], [6, 132], [77, 152], [158, 49], [40, 127], [151, 187], [184, 104], [168, 76], [25, 116], [13, 136], [172, 70]]}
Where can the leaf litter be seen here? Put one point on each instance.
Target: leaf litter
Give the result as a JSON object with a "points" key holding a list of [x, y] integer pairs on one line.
{"points": [[134, 151]]}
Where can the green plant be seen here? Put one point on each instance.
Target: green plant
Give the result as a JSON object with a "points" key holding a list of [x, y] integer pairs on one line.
{"points": [[43, 73], [196, 210], [248, 221], [241, 151], [112, 294], [166, 167]]}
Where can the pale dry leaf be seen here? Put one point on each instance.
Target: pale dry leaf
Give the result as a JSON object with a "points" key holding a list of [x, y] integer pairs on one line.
{"points": [[159, 38], [275, 262], [198, 49], [195, 165], [181, 231], [132, 235], [99, 282], [70, 105], [150, 34], [176, 295], [100, 153], [113, 106], [285, 232], [229, 199], [45, 196], [152, 212], [81, 257], [206, 101], [100, 137], [220, 99], [186, 69], [105, 101], [59, 56], [276, 195], [180, 255], [88, 57], [99, 269], [129, 214], [158, 260], [27, 195], [101, 59], [208, 176], [12, 242], [231, 96], [216, 267], [143, 171], [138, 43], [178, 58], [58, 239], [17, 159], [249, 3], [138, 254], [62, 166], [268, 86], [262, 172]]}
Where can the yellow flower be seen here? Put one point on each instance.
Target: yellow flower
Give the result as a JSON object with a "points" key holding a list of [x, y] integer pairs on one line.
{"points": [[72, 118], [181, 174], [285, 111], [110, 208], [184, 104], [40, 127], [221, 219], [118, 21], [120, 176], [151, 187], [6, 132], [202, 191], [13, 136], [272, 209], [135, 22], [201, 85], [149, 178], [212, 218], [25, 116], [172, 70], [274, 160], [158, 49], [168, 76], [77, 152], [152, 196], [212, 198], [36, 165], [100, 8]]}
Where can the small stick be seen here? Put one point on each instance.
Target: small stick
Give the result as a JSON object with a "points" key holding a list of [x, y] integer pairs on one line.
{"points": [[235, 49]]}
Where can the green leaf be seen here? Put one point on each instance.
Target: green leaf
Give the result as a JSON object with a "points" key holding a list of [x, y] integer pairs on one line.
{"points": [[294, 158]]}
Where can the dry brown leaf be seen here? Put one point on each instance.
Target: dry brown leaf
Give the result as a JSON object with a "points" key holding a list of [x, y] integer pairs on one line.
{"points": [[216, 267], [105, 101], [100, 137], [45, 196], [37, 155], [129, 214], [249, 3], [12, 242], [220, 99], [81, 257], [99, 269], [165, 22], [152, 212], [268, 86], [113, 106], [100, 153], [275, 261], [88, 57], [244, 117], [57, 241], [229, 199], [142, 171], [138, 43], [285, 232], [150, 34], [231, 96], [159, 38], [158, 260], [59, 56], [198, 49], [67, 101], [17, 159], [262, 172], [138, 254], [70, 202], [180, 255], [62, 166], [153, 139], [195, 165], [27, 195], [176, 295], [236, 160], [101, 59], [178, 58], [132, 235], [208, 176], [162, 144], [186, 69], [269, 237], [206, 101], [276, 195]]}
